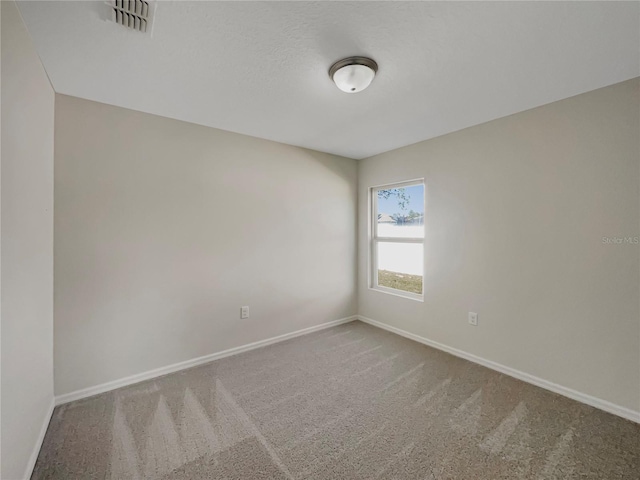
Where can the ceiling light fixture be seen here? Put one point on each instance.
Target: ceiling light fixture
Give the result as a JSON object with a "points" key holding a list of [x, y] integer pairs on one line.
{"points": [[353, 74]]}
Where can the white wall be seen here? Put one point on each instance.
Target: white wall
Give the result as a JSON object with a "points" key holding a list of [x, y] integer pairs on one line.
{"points": [[164, 229], [516, 212], [27, 247]]}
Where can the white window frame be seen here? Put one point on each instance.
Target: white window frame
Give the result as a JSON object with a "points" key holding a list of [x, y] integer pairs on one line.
{"points": [[374, 239]]}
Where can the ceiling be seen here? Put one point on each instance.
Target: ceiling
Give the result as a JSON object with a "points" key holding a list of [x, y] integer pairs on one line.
{"points": [[260, 68]]}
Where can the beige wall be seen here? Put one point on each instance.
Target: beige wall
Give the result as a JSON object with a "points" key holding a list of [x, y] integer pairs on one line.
{"points": [[27, 246], [164, 229], [516, 214]]}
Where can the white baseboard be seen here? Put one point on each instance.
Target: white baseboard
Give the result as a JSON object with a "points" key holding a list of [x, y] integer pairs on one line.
{"points": [[140, 377], [610, 407], [623, 412], [36, 448]]}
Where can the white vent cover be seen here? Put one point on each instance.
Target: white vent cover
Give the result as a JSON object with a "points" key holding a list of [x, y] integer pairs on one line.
{"points": [[133, 14]]}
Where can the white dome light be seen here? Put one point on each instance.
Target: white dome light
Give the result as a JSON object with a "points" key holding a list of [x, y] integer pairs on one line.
{"points": [[353, 74]]}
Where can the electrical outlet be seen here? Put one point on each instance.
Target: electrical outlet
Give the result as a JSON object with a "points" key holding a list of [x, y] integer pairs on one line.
{"points": [[244, 312], [473, 318]]}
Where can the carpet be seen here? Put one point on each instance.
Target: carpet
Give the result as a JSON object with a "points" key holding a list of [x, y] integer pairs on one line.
{"points": [[350, 402]]}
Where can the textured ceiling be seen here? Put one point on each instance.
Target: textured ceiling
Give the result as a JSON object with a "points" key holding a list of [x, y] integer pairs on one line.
{"points": [[260, 68]]}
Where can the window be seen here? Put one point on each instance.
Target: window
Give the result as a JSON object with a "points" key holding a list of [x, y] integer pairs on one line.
{"points": [[397, 238]]}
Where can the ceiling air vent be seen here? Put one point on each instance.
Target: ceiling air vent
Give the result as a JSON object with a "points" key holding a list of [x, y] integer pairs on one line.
{"points": [[133, 14]]}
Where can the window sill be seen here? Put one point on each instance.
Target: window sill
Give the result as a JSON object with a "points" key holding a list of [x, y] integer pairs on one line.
{"points": [[399, 293]]}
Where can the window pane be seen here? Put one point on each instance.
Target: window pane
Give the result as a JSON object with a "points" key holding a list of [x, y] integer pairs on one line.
{"points": [[400, 266], [401, 212]]}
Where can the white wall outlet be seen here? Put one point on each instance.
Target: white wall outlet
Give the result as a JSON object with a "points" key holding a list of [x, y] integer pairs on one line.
{"points": [[473, 318], [244, 312]]}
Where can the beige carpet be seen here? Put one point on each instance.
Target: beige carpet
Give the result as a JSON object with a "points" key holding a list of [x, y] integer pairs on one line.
{"points": [[351, 402]]}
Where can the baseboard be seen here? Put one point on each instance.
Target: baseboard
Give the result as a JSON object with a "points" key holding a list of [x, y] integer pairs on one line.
{"points": [[36, 448], [604, 405], [158, 372], [623, 412]]}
